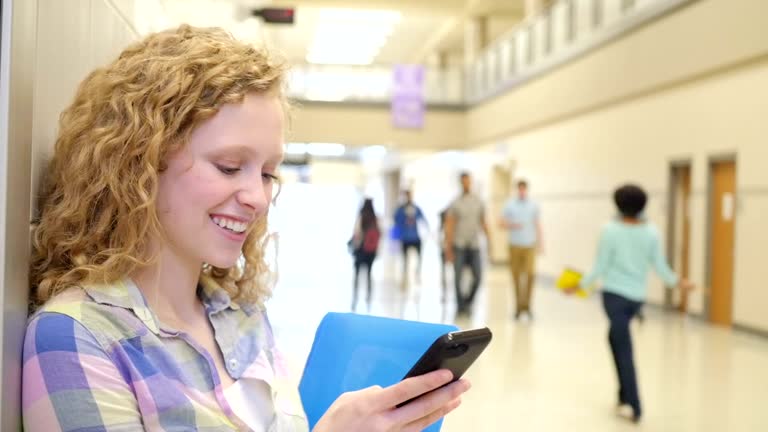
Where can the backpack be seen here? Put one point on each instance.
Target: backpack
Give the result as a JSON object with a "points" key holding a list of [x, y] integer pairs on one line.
{"points": [[371, 241]]}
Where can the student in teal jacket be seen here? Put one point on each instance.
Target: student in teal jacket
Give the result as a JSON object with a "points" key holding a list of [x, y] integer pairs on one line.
{"points": [[628, 248]]}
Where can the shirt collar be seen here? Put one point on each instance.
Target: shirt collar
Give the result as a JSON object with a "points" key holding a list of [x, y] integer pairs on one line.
{"points": [[214, 297], [642, 218], [127, 295]]}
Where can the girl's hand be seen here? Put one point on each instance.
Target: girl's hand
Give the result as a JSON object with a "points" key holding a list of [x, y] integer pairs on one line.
{"points": [[374, 409]]}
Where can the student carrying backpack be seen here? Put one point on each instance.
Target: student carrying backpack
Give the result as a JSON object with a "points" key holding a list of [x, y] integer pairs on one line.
{"points": [[365, 241], [371, 240]]}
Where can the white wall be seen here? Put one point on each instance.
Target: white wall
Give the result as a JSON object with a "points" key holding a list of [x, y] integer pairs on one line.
{"points": [[337, 172], [574, 165], [672, 90], [699, 39], [363, 125]]}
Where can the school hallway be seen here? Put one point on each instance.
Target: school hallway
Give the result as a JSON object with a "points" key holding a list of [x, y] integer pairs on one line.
{"points": [[552, 374], [393, 100]]}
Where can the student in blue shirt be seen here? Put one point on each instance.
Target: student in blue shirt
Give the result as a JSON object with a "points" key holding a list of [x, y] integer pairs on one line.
{"points": [[628, 248], [521, 218], [407, 218]]}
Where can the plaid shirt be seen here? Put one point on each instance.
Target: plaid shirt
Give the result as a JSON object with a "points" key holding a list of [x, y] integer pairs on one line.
{"points": [[98, 359]]}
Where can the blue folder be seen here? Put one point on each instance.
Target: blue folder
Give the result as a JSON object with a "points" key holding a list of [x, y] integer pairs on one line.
{"points": [[352, 352]]}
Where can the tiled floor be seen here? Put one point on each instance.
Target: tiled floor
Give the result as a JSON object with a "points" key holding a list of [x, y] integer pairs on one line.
{"points": [[551, 374]]}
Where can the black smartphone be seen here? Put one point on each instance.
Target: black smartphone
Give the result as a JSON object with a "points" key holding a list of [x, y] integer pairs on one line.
{"points": [[455, 351]]}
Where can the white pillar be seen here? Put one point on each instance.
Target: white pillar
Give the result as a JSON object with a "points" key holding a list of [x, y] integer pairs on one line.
{"points": [[17, 72], [533, 8], [475, 38]]}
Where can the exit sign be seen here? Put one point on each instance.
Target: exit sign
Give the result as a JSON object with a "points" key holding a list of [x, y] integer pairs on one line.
{"points": [[275, 15]]}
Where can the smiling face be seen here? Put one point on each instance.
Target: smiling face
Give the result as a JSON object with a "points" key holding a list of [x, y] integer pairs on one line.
{"points": [[222, 181]]}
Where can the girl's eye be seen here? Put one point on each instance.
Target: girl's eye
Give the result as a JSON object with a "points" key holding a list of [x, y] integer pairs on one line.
{"points": [[227, 170], [271, 178]]}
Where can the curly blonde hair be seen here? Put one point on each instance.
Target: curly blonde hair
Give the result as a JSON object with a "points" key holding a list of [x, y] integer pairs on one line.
{"points": [[97, 209]]}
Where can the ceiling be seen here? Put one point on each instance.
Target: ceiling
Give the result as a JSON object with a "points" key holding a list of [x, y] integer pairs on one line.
{"points": [[424, 28]]}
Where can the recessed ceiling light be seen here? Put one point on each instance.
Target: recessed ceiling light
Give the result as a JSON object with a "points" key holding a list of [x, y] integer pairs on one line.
{"points": [[351, 36]]}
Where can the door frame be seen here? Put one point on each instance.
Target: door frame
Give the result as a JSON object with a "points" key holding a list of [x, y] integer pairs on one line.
{"points": [[671, 228], [713, 160], [501, 187], [17, 72]]}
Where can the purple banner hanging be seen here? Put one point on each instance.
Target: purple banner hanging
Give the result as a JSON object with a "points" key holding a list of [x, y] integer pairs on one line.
{"points": [[408, 96]]}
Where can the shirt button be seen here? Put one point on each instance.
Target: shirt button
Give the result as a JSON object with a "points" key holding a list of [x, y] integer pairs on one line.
{"points": [[233, 364]]}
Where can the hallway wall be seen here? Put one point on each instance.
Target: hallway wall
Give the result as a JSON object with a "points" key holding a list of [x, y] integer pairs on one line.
{"points": [[574, 165], [674, 90], [695, 41], [362, 125]]}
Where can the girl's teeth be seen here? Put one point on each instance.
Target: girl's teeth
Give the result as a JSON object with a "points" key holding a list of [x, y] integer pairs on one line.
{"points": [[231, 225]]}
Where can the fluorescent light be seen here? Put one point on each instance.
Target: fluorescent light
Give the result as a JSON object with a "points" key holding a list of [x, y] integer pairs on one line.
{"points": [[340, 58], [360, 15], [325, 96], [296, 148], [326, 149], [373, 152], [351, 36]]}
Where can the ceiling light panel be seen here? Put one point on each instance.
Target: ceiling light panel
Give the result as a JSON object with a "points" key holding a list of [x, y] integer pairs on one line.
{"points": [[351, 36]]}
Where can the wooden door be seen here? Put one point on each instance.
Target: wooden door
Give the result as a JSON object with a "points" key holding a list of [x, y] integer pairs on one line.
{"points": [[722, 242], [682, 176]]}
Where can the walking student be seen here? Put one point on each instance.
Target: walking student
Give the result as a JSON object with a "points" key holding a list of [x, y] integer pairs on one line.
{"points": [[628, 248], [521, 218], [407, 218], [465, 221]]}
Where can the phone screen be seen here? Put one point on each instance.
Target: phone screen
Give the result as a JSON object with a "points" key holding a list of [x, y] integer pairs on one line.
{"points": [[455, 351]]}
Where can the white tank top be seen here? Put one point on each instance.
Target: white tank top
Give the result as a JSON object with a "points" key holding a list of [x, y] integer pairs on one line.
{"points": [[251, 400]]}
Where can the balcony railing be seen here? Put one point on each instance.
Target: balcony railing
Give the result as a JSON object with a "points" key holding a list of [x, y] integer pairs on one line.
{"points": [[369, 84], [565, 31]]}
